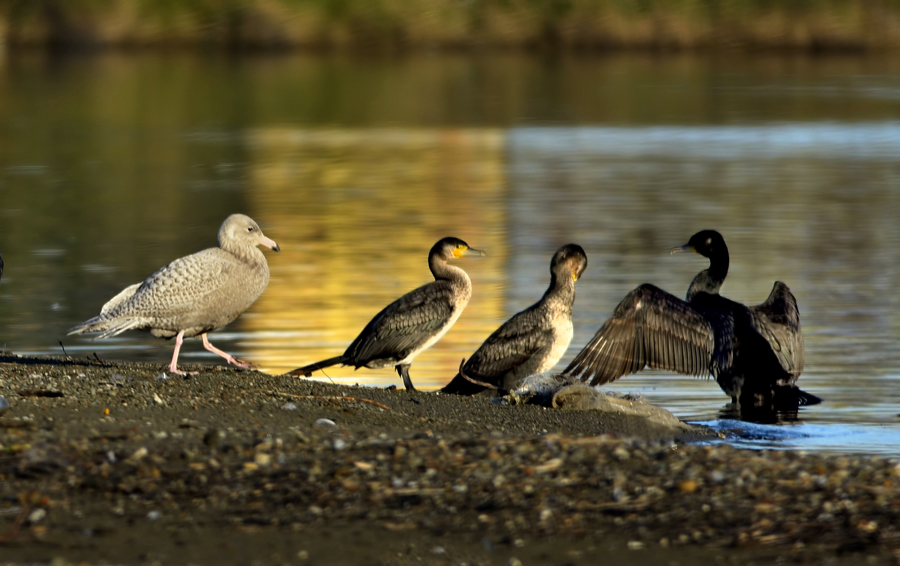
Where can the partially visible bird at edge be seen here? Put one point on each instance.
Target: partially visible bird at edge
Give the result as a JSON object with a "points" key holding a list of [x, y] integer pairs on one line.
{"points": [[414, 322], [755, 353], [195, 294], [532, 341]]}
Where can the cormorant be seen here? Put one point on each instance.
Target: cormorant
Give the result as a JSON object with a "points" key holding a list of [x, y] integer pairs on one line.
{"points": [[755, 353], [194, 294], [415, 321], [533, 340]]}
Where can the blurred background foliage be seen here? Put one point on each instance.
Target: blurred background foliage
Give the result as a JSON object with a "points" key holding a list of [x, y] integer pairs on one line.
{"points": [[394, 25]]}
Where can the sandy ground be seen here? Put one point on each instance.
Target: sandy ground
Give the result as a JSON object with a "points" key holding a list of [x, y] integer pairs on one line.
{"points": [[114, 463]]}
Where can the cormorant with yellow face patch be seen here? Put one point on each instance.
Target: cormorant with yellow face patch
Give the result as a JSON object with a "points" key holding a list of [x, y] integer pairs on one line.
{"points": [[533, 340], [415, 321]]}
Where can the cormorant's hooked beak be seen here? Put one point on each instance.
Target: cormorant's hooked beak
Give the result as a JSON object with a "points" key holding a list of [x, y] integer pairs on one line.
{"points": [[269, 243], [684, 248], [458, 252]]}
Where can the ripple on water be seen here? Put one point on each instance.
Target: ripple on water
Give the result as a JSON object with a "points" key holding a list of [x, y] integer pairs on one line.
{"points": [[830, 437]]}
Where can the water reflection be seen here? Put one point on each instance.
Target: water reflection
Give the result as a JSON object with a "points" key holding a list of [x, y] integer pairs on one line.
{"points": [[112, 166], [360, 209]]}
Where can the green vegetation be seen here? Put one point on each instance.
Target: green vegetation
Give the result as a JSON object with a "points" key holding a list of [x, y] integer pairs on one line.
{"points": [[810, 25]]}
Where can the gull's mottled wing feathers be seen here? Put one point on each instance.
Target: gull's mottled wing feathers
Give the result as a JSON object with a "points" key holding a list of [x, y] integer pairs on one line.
{"points": [[123, 296], [179, 286]]}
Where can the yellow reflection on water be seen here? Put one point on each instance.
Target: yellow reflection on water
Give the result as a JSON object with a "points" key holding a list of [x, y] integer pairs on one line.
{"points": [[356, 212]]}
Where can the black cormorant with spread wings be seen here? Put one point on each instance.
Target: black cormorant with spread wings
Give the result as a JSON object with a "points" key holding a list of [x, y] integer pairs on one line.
{"points": [[530, 342], [415, 321], [755, 353]]}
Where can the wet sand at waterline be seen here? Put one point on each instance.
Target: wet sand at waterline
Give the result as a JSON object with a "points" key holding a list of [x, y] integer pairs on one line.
{"points": [[114, 463]]}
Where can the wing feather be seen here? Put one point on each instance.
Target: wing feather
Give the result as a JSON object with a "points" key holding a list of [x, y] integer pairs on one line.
{"points": [[513, 344], [403, 325], [778, 321], [646, 329]]}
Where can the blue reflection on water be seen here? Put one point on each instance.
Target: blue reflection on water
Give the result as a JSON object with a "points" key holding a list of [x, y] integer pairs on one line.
{"points": [[877, 140], [829, 437]]}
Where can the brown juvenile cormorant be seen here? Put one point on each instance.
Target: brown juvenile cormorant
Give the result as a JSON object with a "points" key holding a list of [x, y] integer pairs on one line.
{"points": [[414, 322], [194, 294], [533, 340], [755, 353]]}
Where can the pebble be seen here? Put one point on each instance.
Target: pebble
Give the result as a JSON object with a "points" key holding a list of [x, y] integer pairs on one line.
{"points": [[138, 454], [161, 377], [154, 515], [4, 405], [325, 422], [37, 516], [290, 407]]}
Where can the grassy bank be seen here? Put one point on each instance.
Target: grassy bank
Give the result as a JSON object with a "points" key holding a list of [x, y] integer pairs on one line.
{"points": [[803, 25]]}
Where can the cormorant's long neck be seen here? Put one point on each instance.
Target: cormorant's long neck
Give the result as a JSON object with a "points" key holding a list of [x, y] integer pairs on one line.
{"points": [[443, 270], [710, 280], [561, 290]]}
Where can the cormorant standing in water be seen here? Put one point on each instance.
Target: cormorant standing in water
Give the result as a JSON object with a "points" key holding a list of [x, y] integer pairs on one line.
{"points": [[415, 321], [532, 341], [755, 353]]}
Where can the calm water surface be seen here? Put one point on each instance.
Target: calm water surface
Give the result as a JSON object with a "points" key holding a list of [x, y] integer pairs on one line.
{"points": [[112, 166]]}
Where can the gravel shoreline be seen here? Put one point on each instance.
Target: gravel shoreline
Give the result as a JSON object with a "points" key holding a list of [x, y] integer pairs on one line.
{"points": [[112, 463]]}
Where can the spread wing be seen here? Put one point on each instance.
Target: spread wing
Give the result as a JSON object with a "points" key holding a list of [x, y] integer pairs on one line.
{"points": [[403, 325], [648, 328], [778, 321]]}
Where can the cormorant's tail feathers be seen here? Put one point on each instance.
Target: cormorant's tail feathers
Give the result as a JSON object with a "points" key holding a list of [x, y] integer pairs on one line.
{"points": [[306, 371], [804, 398], [463, 384], [792, 397]]}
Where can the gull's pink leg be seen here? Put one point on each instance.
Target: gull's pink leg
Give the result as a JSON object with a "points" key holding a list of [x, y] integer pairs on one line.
{"points": [[228, 357], [173, 367]]}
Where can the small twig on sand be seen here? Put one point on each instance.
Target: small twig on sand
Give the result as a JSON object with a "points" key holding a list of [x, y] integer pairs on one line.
{"points": [[473, 380], [96, 357], [9, 536], [326, 375], [66, 354], [341, 397]]}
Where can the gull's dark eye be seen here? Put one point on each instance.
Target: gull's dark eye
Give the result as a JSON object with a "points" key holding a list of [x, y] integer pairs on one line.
{"points": [[250, 228]]}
